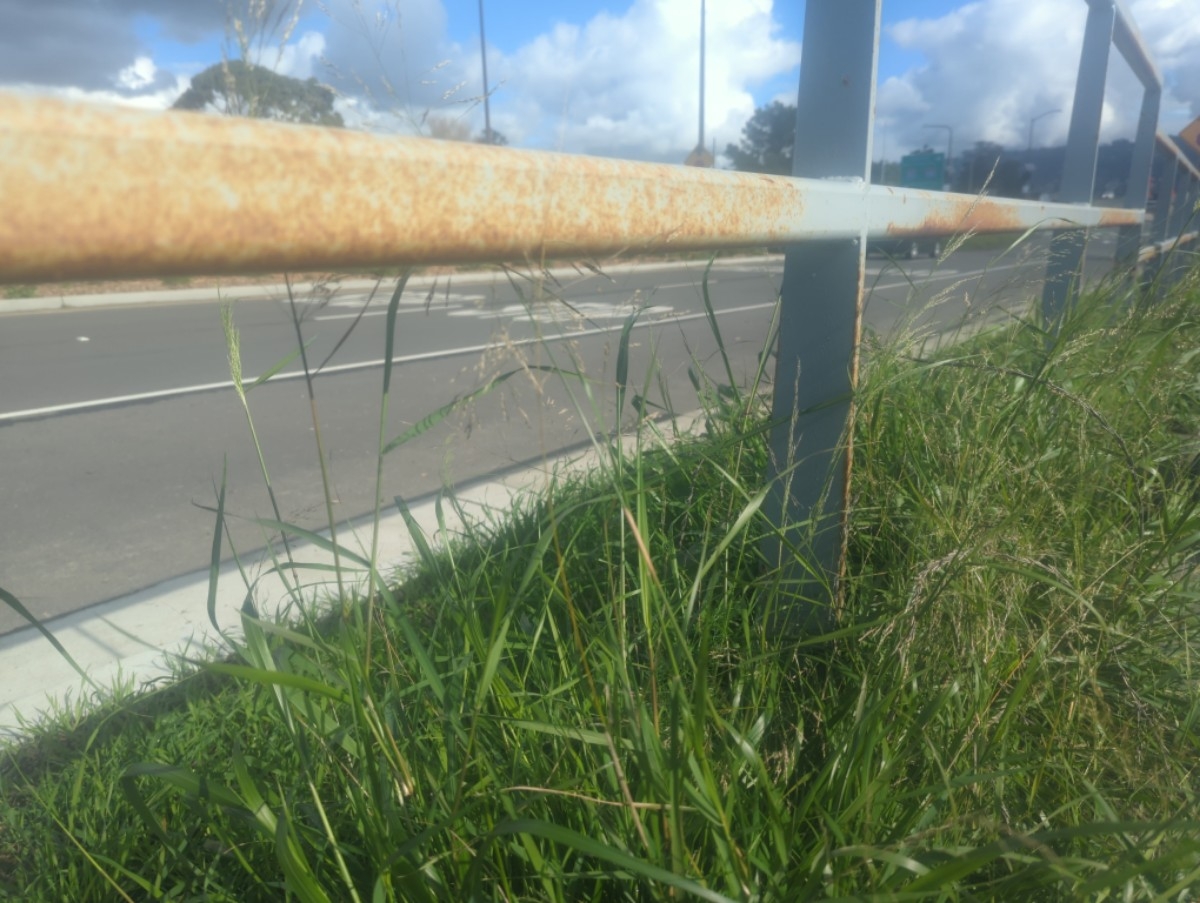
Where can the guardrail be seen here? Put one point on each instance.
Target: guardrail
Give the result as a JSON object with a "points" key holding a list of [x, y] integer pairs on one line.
{"points": [[94, 192]]}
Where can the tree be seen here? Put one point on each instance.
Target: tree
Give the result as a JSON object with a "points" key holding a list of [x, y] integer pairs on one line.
{"points": [[767, 141], [448, 128], [496, 138], [243, 89], [986, 162]]}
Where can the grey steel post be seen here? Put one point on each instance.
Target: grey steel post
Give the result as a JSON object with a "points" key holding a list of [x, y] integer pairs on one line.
{"points": [[1165, 206], [1064, 273], [487, 104], [1173, 219], [1181, 208], [1137, 188], [1180, 220], [821, 307]]}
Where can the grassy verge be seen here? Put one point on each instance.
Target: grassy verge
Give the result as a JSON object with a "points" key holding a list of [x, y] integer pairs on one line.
{"points": [[586, 701]]}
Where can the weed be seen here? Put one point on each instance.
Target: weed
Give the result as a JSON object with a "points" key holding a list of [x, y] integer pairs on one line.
{"points": [[582, 699]]}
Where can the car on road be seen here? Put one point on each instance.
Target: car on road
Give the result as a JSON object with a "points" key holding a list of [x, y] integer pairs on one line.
{"points": [[906, 248]]}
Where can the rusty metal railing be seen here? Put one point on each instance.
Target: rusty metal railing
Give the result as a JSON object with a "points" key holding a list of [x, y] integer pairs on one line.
{"points": [[92, 192]]}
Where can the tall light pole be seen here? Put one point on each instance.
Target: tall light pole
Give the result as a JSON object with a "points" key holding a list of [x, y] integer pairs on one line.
{"points": [[949, 147], [1034, 119], [700, 142], [700, 156], [487, 110]]}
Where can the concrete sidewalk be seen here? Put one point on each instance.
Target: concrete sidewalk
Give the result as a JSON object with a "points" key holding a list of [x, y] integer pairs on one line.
{"points": [[128, 640], [234, 292]]}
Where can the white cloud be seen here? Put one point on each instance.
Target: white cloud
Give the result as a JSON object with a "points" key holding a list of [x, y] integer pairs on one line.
{"points": [[1171, 30], [991, 66], [622, 83], [140, 74], [297, 59], [158, 99], [627, 84]]}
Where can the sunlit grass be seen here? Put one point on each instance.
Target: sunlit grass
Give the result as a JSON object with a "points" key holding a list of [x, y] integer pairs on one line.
{"points": [[584, 699]]}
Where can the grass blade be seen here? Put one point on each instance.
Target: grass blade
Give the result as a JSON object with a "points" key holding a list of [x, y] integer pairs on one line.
{"points": [[639, 868], [15, 604]]}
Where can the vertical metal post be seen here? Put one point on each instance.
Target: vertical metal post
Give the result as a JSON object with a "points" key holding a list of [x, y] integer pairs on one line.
{"points": [[1165, 206], [1191, 222], [1137, 187], [487, 104], [821, 307], [700, 141], [1181, 210], [1064, 271], [1178, 221]]}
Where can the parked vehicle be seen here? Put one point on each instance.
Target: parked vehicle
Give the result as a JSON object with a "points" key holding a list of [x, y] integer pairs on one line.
{"points": [[925, 169], [906, 248]]}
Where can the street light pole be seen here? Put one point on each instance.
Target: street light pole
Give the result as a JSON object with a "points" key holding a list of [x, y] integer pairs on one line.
{"points": [[700, 143], [949, 146], [700, 156], [1035, 119], [487, 110]]}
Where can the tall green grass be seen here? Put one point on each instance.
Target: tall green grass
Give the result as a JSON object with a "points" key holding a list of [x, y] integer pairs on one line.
{"points": [[585, 698]]}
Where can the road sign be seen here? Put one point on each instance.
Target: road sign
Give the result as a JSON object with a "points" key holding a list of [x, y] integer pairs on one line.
{"points": [[923, 169]]}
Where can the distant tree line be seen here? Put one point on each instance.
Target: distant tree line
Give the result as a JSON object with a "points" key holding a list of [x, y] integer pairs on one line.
{"points": [[239, 88], [768, 137]]}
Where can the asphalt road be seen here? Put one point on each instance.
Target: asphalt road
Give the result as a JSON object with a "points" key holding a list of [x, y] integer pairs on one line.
{"points": [[115, 423]]}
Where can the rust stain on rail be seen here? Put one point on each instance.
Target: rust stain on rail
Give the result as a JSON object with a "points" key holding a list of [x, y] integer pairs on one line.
{"points": [[101, 192], [957, 214]]}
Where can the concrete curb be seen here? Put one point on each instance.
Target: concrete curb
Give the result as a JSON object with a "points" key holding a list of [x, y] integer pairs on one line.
{"points": [[302, 289], [129, 641]]}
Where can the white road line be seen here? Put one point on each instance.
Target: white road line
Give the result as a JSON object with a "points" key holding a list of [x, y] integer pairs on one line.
{"points": [[952, 274], [680, 285], [78, 406], [381, 313], [464, 311]]}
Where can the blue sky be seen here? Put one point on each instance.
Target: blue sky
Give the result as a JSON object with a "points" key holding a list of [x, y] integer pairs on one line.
{"points": [[508, 32], [611, 77]]}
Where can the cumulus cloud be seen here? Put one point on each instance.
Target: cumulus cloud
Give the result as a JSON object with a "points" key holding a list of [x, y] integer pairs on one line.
{"points": [[397, 63], [297, 59], [622, 82], [86, 43], [139, 74], [617, 84], [627, 85], [991, 66]]}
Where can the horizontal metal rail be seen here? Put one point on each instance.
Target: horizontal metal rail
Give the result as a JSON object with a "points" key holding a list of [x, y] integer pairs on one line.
{"points": [[1163, 248], [1129, 44], [99, 192], [95, 192], [1167, 143]]}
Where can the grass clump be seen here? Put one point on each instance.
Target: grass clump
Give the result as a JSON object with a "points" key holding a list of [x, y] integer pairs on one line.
{"points": [[17, 292], [587, 701]]}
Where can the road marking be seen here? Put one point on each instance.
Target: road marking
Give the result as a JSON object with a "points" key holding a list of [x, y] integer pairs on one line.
{"points": [[596, 310], [951, 274], [680, 285], [113, 401], [79, 406], [383, 313]]}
